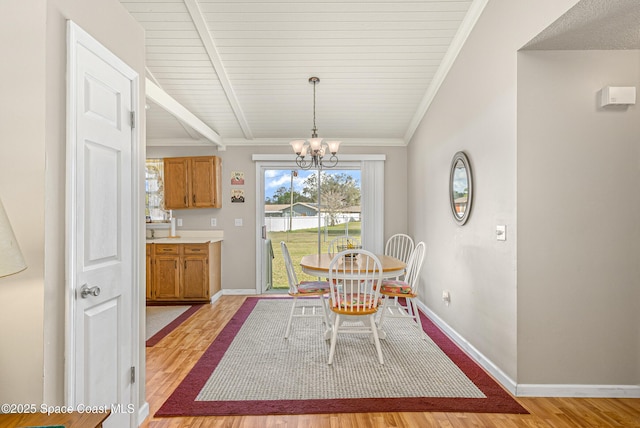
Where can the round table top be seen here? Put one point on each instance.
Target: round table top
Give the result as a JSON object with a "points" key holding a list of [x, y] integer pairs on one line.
{"points": [[321, 262]]}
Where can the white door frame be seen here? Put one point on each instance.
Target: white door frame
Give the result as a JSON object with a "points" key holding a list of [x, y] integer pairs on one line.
{"points": [[77, 36]]}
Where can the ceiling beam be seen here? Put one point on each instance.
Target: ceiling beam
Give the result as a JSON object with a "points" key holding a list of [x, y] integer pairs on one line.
{"points": [[189, 130], [216, 61], [177, 110]]}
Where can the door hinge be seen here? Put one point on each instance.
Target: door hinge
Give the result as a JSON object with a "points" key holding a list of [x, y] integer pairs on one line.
{"points": [[133, 375], [133, 119]]}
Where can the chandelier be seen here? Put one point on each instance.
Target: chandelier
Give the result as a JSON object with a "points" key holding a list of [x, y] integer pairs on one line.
{"points": [[315, 147]]}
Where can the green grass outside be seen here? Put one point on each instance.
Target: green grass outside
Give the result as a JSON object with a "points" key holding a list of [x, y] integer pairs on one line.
{"points": [[300, 243]]}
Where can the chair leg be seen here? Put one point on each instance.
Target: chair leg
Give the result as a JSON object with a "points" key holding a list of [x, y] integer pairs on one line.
{"points": [[325, 310], [416, 316], [383, 311], [409, 306], [334, 337], [293, 308], [376, 339]]}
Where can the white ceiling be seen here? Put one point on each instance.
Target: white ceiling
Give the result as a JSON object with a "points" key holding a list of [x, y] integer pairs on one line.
{"points": [[242, 66], [593, 24]]}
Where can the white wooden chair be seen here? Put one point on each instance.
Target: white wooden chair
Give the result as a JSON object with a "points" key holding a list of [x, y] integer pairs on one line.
{"points": [[355, 279], [399, 246], [304, 289], [392, 289]]}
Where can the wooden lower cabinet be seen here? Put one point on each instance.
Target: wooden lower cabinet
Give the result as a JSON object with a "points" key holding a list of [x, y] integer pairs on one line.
{"points": [[149, 272], [183, 273]]}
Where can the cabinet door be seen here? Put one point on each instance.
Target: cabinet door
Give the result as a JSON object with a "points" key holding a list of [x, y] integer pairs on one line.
{"points": [[202, 182], [166, 277], [149, 273], [195, 277], [176, 188], [217, 182]]}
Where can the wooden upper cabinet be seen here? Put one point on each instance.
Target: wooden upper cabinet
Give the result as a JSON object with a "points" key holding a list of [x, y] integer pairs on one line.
{"points": [[176, 186], [193, 182]]}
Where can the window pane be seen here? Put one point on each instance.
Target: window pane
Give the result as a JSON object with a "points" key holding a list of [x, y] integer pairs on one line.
{"points": [[154, 190]]}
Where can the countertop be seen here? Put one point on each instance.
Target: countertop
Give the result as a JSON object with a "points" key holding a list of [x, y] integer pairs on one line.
{"points": [[182, 240], [187, 237]]}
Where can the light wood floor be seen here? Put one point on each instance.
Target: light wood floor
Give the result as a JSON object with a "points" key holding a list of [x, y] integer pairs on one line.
{"points": [[171, 359]]}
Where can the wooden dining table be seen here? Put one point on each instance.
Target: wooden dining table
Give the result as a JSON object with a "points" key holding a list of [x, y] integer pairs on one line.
{"points": [[318, 265]]}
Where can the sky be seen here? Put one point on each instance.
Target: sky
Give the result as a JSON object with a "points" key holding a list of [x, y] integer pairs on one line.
{"points": [[275, 179]]}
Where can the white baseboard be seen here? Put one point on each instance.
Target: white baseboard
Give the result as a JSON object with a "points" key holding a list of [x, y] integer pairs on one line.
{"points": [[578, 391], [531, 390], [237, 292], [476, 355], [143, 412], [215, 297]]}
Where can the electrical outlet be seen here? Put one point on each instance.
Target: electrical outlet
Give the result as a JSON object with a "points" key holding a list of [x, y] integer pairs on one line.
{"points": [[238, 222], [214, 222], [179, 222]]}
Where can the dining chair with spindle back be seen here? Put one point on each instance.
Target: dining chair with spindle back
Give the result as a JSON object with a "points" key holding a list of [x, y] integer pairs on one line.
{"points": [[304, 289], [350, 300]]}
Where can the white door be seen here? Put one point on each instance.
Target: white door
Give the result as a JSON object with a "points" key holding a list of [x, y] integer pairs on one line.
{"points": [[100, 228]]}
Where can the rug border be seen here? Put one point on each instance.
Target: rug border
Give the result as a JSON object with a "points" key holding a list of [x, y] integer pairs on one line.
{"points": [[164, 331], [182, 401]]}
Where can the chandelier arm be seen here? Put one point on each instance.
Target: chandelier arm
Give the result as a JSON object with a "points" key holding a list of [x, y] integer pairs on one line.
{"points": [[333, 161], [303, 163]]}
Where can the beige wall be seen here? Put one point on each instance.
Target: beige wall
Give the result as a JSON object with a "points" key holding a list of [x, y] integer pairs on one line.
{"points": [[557, 303], [22, 187], [475, 111], [239, 246], [32, 177], [578, 228]]}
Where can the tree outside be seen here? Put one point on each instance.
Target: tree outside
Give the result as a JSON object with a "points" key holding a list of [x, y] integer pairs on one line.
{"points": [[337, 193]]}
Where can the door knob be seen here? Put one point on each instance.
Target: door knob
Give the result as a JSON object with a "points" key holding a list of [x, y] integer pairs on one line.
{"points": [[85, 291]]}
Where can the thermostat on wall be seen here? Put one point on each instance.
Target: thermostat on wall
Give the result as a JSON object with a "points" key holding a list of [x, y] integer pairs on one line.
{"points": [[617, 95]]}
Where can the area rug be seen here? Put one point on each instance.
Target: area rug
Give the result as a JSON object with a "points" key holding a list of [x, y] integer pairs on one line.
{"points": [[250, 369], [162, 320]]}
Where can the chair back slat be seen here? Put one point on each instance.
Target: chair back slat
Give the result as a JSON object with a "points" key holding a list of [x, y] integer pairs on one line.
{"points": [[415, 265]]}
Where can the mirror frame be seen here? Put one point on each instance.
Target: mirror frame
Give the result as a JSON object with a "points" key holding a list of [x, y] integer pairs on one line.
{"points": [[461, 156]]}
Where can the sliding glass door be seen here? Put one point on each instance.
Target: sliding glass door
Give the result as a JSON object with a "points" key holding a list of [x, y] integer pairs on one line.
{"points": [[305, 209]]}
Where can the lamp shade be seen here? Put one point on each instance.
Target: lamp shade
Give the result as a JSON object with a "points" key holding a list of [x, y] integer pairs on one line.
{"points": [[333, 146], [11, 260], [297, 145]]}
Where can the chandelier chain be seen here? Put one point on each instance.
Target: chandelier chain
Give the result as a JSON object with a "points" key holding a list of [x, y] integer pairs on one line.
{"points": [[315, 129]]}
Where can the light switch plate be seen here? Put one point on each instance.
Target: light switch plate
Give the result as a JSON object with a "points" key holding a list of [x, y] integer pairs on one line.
{"points": [[501, 232], [238, 222]]}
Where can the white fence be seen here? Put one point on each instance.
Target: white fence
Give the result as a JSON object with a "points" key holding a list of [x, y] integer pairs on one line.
{"points": [[281, 224]]}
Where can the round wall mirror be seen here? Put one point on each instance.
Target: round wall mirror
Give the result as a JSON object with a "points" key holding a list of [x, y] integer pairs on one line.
{"points": [[460, 188]]}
